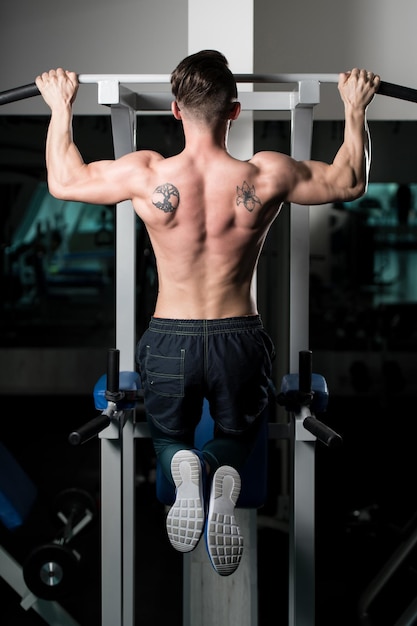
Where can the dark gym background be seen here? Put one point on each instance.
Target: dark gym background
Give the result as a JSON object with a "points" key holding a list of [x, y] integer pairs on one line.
{"points": [[363, 336]]}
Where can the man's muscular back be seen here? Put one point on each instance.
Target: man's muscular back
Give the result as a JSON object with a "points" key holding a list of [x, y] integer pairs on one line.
{"points": [[207, 216]]}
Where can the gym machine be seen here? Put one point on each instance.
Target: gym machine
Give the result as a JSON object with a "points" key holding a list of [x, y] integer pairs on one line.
{"points": [[117, 443], [118, 394], [120, 426]]}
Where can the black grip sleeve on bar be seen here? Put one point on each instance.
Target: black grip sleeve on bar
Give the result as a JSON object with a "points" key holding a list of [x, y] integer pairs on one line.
{"points": [[113, 365], [19, 93], [397, 91], [323, 433], [305, 371], [89, 430]]}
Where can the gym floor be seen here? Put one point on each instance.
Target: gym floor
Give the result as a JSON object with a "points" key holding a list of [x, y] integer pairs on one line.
{"points": [[362, 508]]}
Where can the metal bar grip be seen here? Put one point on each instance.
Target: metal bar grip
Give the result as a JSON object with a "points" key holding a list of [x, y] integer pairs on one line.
{"points": [[19, 93], [305, 371], [113, 365], [89, 430], [397, 91], [323, 433]]}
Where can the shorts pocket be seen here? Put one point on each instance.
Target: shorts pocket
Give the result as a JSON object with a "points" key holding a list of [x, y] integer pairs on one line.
{"points": [[165, 374]]}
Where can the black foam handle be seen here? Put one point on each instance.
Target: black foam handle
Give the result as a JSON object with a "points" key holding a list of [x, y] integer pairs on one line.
{"points": [[397, 91], [323, 433], [113, 365], [19, 93], [89, 430], [305, 371]]}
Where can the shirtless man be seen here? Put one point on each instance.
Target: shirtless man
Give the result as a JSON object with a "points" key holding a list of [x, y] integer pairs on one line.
{"points": [[207, 215]]}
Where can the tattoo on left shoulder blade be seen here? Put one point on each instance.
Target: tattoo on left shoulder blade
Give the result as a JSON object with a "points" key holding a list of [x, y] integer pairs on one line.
{"points": [[166, 197], [246, 195]]}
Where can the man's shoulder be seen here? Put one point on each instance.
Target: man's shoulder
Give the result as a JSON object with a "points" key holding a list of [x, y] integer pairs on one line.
{"points": [[268, 156], [147, 156]]}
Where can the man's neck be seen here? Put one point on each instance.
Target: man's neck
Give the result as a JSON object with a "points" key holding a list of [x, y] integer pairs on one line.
{"points": [[204, 137]]}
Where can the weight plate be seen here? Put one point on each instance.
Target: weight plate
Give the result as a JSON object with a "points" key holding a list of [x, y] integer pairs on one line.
{"points": [[50, 570], [74, 502]]}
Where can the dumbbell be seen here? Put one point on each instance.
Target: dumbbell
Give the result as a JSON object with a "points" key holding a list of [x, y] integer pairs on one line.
{"points": [[50, 571]]}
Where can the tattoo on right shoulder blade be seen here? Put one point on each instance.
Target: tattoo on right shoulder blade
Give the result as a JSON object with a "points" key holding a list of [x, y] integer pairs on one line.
{"points": [[166, 197], [246, 195]]}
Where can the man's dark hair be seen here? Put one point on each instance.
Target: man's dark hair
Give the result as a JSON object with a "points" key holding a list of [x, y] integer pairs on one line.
{"points": [[204, 84]]}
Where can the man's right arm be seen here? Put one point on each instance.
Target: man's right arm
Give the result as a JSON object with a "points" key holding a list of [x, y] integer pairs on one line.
{"points": [[69, 177], [63, 160]]}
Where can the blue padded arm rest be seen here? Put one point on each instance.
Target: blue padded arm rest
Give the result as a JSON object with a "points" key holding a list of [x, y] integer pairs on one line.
{"points": [[289, 388], [129, 383]]}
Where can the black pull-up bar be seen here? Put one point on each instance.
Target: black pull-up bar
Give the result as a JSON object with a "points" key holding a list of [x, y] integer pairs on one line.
{"points": [[397, 91], [385, 89], [19, 93]]}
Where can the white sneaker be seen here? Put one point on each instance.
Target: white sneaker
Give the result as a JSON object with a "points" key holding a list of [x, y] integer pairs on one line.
{"points": [[185, 520], [223, 539]]}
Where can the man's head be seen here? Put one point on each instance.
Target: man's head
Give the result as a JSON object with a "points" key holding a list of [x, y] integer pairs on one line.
{"points": [[204, 85]]}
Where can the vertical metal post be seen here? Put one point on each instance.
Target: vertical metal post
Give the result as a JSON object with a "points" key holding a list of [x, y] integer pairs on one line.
{"points": [[299, 270], [117, 448], [124, 138], [111, 528], [302, 506]]}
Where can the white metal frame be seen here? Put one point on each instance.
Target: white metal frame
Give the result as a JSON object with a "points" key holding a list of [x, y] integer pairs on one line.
{"points": [[117, 444]]}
